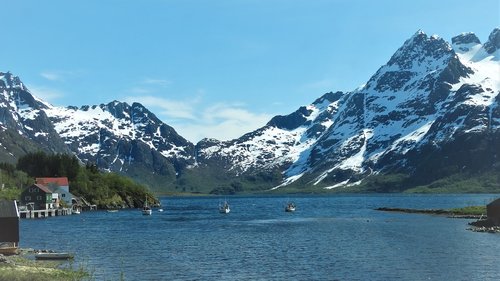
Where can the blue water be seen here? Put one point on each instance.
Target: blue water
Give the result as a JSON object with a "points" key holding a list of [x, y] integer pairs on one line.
{"points": [[336, 237]]}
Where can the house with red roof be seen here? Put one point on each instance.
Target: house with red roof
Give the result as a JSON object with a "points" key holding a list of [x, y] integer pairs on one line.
{"points": [[61, 187]]}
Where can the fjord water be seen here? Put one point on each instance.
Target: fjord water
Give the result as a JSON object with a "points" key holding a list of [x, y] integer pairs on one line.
{"points": [[337, 237]]}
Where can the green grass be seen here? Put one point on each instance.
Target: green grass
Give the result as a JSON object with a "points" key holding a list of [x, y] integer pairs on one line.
{"points": [[21, 268], [470, 210]]}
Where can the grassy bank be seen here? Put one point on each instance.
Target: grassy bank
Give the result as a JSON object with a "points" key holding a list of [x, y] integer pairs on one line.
{"points": [[22, 268]]}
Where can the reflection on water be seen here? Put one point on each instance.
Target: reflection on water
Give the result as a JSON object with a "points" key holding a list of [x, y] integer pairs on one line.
{"points": [[327, 238]]}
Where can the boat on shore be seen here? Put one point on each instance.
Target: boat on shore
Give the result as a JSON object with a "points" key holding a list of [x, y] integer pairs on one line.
{"points": [[224, 208], [8, 251], [53, 256]]}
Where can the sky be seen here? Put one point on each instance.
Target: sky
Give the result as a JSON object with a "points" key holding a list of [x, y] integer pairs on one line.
{"points": [[218, 68]]}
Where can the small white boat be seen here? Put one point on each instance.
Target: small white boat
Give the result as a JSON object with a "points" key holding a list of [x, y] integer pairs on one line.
{"points": [[224, 208], [53, 256], [160, 210], [146, 210], [290, 207], [112, 210]]}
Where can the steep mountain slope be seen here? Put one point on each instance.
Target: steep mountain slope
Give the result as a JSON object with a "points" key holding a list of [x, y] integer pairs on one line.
{"points": [[124, 138], [428, 94], [117, 137], [24, 125]]}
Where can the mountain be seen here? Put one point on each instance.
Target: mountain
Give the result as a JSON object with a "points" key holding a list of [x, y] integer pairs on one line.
{"points": [[430, 95], [432, 111], [24, 124]]}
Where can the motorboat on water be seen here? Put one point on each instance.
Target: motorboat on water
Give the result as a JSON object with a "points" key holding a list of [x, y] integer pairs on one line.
{"points": [[224, 208], [290, 207]]}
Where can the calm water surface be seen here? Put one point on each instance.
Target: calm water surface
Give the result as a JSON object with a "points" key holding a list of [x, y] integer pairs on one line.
{"points": [[338, 237]]}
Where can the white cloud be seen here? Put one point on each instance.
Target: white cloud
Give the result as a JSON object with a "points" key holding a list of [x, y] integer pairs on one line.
{"points": [[157, 82], [46, 94], [61, 75], [52, 76], [140, 91], [165, 107], [324, 85], [223, 122], [195, 120]]}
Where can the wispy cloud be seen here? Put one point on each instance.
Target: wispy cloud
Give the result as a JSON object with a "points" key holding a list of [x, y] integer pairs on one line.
{"points": [[169, 108], [46, 94], [52, 76], [195, 120], [61, 75], [139, 90], [324, 85], [157, 82], [226, 121]]}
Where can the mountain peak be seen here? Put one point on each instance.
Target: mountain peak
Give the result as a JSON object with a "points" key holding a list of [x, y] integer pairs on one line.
{"points": [[8, 80], [465, 38], [417, 48], [493, 42]]}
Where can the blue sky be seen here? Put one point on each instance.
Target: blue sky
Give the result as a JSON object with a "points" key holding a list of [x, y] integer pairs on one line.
{"points": [[217, 68]]}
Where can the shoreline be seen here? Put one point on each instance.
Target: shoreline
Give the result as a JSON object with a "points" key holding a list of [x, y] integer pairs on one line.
{"points": [[459, 213], [22, 266]]}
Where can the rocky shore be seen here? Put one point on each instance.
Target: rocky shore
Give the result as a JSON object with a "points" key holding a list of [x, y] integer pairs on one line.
{"points": [[448, 213], [491, 229], [482, 223]]}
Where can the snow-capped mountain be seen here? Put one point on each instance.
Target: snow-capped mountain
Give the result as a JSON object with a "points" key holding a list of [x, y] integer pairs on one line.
{"points": [[113, 134], [433, 106], [24, 125], [116, 136], [429, 92]]}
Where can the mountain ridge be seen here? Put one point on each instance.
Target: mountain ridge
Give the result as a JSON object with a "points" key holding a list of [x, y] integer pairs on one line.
{"points": [[429, 94]]}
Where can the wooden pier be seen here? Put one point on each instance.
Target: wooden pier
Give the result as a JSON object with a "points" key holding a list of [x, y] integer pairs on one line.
{"points": [[35, 214]]}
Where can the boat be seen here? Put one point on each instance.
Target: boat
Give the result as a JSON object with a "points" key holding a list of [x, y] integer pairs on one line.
{"points": [[8, 251], [146, 210], [53, 256], [290, 207], [224, 208], [112, 210], [8, 248], [160, 210]]}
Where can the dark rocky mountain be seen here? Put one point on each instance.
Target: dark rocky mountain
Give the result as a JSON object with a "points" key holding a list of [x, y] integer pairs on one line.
{"points": [[431, 111]]}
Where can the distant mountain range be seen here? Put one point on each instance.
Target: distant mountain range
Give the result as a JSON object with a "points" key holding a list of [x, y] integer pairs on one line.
{"points": [[431, 112]]}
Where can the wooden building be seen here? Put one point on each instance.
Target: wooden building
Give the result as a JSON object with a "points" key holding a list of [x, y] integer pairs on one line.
{"points": [[493, 211], [59, 186], [9, 233], [37, 197]]}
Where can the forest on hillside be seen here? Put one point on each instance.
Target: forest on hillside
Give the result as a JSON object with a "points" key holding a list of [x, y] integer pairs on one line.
{"points": [[106, 190]]}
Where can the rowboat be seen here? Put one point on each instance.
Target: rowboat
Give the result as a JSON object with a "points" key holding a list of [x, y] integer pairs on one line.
{"points": [[53, 256]]}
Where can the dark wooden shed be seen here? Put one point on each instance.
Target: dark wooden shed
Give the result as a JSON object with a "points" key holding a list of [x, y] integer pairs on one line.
{"points": [[493, 211], [9, 226]]}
